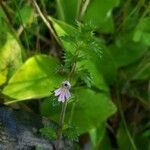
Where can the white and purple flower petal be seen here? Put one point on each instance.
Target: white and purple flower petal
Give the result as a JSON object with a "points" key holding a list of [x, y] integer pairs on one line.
{"points": [[61, 97], [67, 94], [57, 92], [63, 92]]}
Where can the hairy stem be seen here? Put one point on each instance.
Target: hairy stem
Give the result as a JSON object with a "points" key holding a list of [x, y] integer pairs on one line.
{"points": [[61, 123]]}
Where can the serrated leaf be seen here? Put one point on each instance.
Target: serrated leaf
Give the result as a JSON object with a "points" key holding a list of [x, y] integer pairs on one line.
{"points": [[49, 133], [93, 68], [36, 78], [71, 132], [86, 45]]}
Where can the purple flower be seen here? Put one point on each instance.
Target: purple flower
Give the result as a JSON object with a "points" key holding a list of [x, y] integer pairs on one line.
{"points": [[63, 92]]}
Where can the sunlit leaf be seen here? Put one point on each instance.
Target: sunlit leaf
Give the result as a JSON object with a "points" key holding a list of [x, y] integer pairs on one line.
{"points": [[3, 28], [10, 58], [63, 29], [36, 78]]}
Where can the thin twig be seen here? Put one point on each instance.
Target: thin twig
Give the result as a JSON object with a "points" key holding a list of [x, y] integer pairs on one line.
{"points": [[6, 11], [45, 21], [124, 121], [72, 71]]}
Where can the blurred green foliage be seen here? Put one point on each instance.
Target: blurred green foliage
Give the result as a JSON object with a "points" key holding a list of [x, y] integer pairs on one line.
{"points": [[107, 40]]}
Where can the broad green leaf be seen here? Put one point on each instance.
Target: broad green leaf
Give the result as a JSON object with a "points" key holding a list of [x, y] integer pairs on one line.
{"points": [[125, 51], [67, 10], [93, 68], [10, 58], [36, 78], [99, 13], [108, 65], [91, 109], [3, 28], [120, 54], [63, 29]]}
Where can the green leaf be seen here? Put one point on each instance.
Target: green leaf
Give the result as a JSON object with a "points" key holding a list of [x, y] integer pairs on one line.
{"points": [[24, 15], [67, 10], [123, 139], [49, 133], [3, 28], [122, 53], [142, 69], [71, 132], [36, 78], [99, 13], [10, 58], [105, 143], [142, 31], [85, 77], [63, 29], [96, 77], [87, 107], [97, 135], [125, 51], [85, 45]]}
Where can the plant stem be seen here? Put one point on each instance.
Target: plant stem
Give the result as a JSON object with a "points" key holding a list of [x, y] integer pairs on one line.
{"points": [[63, 111], [61, 123], [72, 71], [83, 7], [124, 121], [44, 18]]}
